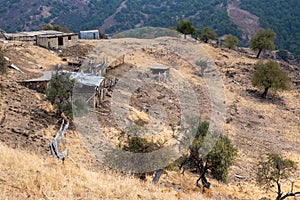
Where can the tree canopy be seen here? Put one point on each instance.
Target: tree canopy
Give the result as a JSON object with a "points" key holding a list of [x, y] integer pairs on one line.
{"points": [[263, 40], [231, 41], [207, 34], [186, 27], [273, 171], [140, 145], [269, 75], [218, 160], [56, 27]]}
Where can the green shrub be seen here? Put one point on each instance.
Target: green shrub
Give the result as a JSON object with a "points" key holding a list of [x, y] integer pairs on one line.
{"points": [[268, 76], [59, 93], [283, 54], [140, 145], [231, 41]]}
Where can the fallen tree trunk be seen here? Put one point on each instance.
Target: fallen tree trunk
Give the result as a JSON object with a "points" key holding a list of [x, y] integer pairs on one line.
{"points": [[55, 142]]}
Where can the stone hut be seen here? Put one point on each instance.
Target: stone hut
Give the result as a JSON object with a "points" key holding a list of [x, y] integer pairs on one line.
{"points": [[57, 41], [46, 38]]}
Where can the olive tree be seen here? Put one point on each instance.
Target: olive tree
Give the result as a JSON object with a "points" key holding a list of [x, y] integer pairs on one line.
{"points": [[274, 170], [263, 40], [207, 34], [217, 161], [231, 41], [268, 76], [186, 27]]}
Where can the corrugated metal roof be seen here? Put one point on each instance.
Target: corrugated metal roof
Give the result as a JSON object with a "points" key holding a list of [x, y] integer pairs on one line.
{"points": [[33, 33], [46, 77], [87, 79], [83, 78], [90, 31], [39, 33]]}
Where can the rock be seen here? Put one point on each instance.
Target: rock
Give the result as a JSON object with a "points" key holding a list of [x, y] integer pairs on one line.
{"points": [[161, 96], [228, 120]]}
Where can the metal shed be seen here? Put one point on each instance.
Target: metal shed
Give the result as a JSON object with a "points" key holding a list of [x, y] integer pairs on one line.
{"points": [[85, 79], [90, 35]]}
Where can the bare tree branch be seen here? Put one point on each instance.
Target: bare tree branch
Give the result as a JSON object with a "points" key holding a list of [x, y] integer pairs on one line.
{"points": [[58, 138]]}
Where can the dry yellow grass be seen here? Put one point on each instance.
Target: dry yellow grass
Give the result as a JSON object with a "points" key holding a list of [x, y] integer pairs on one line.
{"points": [[25, 175]]}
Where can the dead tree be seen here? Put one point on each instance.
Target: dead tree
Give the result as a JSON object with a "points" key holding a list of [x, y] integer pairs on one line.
{"points": [[280, 195], [203, 64], [58, 138]]}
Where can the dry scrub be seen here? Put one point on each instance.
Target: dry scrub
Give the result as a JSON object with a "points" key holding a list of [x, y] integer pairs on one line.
{"points": [[24, 175]]}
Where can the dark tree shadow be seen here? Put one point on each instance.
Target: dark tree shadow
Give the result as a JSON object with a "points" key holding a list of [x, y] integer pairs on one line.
{"points": [[271, 98]]}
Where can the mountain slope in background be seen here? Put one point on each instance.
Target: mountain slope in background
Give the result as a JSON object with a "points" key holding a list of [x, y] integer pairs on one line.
{"points": [[281, 16], [118, 15]]}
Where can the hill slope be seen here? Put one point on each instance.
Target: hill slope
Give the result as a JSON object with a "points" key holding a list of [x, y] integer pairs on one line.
{"points": [[252, 123], [118, 15]]}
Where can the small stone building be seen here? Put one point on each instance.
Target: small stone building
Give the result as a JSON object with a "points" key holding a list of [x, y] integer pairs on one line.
{"points": [[29, 35], [57, 41], [46, 38], [39, 84]]}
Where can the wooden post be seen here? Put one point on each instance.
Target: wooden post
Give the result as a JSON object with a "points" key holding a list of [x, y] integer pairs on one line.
{"points": [[102, 95]]}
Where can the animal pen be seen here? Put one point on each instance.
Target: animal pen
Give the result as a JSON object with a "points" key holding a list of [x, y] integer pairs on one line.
{"points": [[86, 84]]}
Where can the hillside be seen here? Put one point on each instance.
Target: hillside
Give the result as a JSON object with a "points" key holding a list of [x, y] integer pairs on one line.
{"points": [[119, 15], [254, 125], [282, 17]]}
